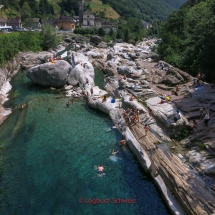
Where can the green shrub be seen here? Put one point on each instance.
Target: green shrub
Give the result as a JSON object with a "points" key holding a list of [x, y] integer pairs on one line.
{"points": [[11, 44], [49, 37], [180, 135], [201, 145]]}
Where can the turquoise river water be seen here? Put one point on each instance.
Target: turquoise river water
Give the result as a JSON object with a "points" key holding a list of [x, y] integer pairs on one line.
{"points": [[49, 154]]}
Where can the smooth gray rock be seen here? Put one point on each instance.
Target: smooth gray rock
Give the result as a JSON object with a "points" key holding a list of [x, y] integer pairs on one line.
{"points": [[31, 59], [170, 80], [79, 39], [200, 160], [80, 75], [123, 70], [68, 40], [94, 54], [110, 69], [154, 56], [96, 39], [102, 45], [165, 112], [133, 56], [50, 74], [110, 56]]}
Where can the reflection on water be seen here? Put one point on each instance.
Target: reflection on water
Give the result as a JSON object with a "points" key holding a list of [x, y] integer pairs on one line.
{"points": [[49, 156]]}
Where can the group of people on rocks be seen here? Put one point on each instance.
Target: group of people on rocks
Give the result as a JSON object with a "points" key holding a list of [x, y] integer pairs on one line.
{"points": [[199, 80], [52, 59], [204, 113], [131, 115]]}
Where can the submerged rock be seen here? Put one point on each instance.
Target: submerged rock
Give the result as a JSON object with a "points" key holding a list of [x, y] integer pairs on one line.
{"points": [[50, 74]]}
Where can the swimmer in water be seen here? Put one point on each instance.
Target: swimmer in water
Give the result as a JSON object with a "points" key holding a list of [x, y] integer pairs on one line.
{"points": [[68, 104], [114, 152], [122, 142], [100, 168]]}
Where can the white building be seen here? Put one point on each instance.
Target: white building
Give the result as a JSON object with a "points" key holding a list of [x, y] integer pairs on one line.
{"points": [[88, 18]]}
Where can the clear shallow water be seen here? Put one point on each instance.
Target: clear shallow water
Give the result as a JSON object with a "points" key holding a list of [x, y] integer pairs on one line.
{"points": [[49, 154]]}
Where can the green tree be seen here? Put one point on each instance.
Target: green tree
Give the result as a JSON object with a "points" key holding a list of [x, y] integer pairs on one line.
{"points": [[111, 32], [72, 13], [127, 35], [101, 32], [49, 37], [120, 34], [25, 11]]}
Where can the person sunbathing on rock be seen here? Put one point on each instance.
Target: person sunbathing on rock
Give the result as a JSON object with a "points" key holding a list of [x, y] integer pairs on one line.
{"points": [[132, 98], [104, 99], [177, 89], [163, 101]]}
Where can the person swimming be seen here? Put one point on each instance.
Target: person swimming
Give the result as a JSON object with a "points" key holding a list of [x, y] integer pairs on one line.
{"points": [[114, 152], [100, 168]]}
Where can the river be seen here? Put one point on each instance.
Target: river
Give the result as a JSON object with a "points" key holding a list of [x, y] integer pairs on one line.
{"points": [[49, 156]]}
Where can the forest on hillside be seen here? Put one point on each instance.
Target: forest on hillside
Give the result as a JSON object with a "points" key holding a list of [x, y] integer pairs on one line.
{"points": [[147, 10], [26, 8], [188, 38]]}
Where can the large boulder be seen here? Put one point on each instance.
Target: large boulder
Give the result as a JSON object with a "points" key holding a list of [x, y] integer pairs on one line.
{"points": [[123, 70], [31, 59], [110, 69], [170, 80], [82, 76], [202, 160], [68, 40], [102, 45], [133, 56], [154, 56], [95, 39], [111, 84], [79, 39], [110, 56], [50, 74], [94, 54], [166, 113]]}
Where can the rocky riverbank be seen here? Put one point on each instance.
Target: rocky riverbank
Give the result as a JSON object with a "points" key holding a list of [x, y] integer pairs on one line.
{"points": [[185, 177]]}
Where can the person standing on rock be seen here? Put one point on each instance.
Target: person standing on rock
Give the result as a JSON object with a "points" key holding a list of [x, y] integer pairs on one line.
{"points": [[91, 90], [177, 90], [150, 112], [206, 119], [201, 111], [146, 127], [207, 111], [138, 116]]}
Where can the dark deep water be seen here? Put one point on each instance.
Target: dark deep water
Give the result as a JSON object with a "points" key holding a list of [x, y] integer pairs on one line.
{"points": [[49, 154]]}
